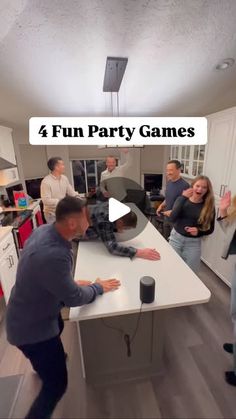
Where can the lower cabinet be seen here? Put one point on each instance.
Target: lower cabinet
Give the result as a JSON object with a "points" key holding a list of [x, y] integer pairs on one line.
{"points": [[212, 247], [8, 267]]}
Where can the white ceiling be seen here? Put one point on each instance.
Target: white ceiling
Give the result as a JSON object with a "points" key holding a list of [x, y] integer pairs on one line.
{"points": [[53, 55]]}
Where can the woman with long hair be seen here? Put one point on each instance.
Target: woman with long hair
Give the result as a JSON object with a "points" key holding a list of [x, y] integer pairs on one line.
{"points": [[227, 221], [193, 216]]}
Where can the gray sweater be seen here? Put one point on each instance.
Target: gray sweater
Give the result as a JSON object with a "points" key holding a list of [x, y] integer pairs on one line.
{"points": [[44, 284]]}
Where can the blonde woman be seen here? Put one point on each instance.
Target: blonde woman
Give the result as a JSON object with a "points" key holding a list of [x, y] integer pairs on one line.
{"points": [[227, 221], [193, 216]]}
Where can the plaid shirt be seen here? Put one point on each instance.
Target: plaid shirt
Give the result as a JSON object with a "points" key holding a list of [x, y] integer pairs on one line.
{"points": [[105, 230]]}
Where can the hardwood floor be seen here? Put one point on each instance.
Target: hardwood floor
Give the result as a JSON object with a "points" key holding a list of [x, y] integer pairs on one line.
{"points": [[191, 384]]}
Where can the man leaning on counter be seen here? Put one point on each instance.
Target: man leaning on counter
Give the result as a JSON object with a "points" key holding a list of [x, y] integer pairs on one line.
{"points": [[44, 284]]}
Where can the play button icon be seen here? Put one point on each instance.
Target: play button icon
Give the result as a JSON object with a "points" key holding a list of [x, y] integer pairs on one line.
{"points": [[117, 209]]}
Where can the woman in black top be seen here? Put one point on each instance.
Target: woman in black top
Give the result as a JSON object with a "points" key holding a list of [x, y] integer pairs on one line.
{"points": [[193, 216], [227, 221]]}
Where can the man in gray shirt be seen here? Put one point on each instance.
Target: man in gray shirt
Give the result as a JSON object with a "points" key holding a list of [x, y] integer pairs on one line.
{"points": [[44, 284], [174, 188]]}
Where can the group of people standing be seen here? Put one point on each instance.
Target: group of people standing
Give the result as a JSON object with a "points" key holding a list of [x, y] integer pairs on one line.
{"points": [[44, 282]]}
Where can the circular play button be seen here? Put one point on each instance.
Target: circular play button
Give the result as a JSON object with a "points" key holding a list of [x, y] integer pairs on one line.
{"points": [[117, 209], [125, 196]]}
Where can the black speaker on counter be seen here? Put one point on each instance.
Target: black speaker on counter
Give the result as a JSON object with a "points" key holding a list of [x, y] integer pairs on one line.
{"points": [[147, 289]]}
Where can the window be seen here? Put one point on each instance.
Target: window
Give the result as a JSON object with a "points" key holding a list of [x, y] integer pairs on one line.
{"points": [[87, 174], [192, 158], [198, 159]]}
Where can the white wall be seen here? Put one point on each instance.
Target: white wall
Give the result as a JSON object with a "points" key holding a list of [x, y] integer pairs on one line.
{"points": [[152, 159], [32, 160]]}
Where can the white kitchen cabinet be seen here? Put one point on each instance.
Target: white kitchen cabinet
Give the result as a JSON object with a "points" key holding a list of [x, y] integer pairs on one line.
{"points": [[211, 254], [8, 265], [6, 145], [9, 176], [220, 167], [191, 157]]}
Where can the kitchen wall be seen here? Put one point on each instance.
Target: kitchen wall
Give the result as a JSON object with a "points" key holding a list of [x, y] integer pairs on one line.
{"points": [[32, 160]]}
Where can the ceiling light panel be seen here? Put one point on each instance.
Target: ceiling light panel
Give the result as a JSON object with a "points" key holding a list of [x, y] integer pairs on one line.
{"points": [[114, 72]]}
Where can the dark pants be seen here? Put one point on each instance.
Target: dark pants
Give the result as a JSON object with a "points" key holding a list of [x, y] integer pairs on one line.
{"points": [[167, 227], [48, 360]]}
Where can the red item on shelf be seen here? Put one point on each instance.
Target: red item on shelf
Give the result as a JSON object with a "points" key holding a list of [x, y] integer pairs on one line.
{"points": [[18, 197], [24, 232], [1, 291]]}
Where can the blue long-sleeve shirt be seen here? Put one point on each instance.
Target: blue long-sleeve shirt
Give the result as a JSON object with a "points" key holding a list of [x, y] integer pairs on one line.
{"points": [[44, 284]]}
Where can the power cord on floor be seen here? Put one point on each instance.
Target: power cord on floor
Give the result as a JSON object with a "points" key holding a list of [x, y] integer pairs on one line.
{"points": [[128, 340]]}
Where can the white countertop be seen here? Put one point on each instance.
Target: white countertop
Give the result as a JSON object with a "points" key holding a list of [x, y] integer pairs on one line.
{"points": [[30, 207], [4, 231], [176, 284]]}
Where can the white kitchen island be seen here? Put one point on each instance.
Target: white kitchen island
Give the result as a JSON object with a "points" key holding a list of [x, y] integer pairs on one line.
{"points": [[102, 324]]}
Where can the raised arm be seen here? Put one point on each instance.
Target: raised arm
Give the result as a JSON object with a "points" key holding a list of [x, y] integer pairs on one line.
{"points": [[128, 159]]}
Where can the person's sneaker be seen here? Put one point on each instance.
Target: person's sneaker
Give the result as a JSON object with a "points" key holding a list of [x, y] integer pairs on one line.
{"points": [[230, 378], [228, 347]]}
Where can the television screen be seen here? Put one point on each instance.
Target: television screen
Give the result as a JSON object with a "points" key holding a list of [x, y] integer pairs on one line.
{"points": [[152, 182]]}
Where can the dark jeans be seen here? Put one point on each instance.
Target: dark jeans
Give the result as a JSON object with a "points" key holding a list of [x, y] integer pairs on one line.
{"points": [[167, 227], [48, 360]]}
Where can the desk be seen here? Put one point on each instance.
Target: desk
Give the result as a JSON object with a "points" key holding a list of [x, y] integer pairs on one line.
{"points": [[103, 351]]}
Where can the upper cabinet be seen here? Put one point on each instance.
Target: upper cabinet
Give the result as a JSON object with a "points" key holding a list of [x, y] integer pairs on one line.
{"points": [[6, 145], [192, 158], [8, 171]]}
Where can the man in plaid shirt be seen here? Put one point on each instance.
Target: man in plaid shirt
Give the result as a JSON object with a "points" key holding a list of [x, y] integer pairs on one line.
{"points": [[106, 231]]}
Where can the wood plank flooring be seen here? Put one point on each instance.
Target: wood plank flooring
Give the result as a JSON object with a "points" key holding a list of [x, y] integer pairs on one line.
{"points": [[191, 384]]}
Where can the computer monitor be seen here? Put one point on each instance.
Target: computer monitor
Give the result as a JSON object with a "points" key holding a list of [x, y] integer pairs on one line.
{"points": [[9, 191], [152, 181], [33, 187]]}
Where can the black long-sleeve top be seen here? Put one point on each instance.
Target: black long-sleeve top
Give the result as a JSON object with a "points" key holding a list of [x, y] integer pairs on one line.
{"points": [[186, 214]]}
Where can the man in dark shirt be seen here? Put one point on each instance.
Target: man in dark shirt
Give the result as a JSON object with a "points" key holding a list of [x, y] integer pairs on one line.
{"points": [[174, 188], [44, 284]]}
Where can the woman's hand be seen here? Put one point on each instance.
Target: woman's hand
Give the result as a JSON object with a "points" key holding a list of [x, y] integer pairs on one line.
{"points": [[192, 230], [187, 192], [225, 203], [167, 213]]}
